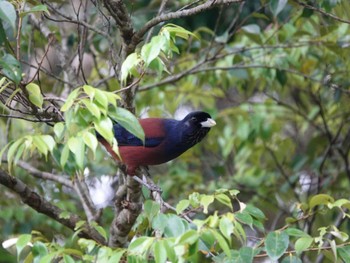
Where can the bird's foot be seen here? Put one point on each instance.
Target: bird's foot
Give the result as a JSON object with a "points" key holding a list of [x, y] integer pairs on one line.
{"points": [[149, 184]]}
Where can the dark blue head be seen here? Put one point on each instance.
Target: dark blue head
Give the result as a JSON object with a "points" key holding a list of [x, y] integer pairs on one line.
{"points": [[195, 126]]}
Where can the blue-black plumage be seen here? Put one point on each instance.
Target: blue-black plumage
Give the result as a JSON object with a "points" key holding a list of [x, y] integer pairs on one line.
{"points": [[165, 139]]}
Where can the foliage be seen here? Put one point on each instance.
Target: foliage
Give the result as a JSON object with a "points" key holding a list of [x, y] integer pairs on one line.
{"points": [[270, 181]]}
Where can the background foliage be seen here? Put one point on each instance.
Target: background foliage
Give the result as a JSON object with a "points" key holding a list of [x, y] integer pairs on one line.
{"points": [[274, 76]]}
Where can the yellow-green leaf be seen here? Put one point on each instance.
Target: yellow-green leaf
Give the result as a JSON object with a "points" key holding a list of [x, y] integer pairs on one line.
{"points": [[35, 96]]}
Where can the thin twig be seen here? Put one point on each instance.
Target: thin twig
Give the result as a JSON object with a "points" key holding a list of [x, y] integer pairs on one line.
{"points": [[45, 175]]}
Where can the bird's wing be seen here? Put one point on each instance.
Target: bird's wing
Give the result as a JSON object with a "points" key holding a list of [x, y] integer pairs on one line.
{"points": [[154, 134]]}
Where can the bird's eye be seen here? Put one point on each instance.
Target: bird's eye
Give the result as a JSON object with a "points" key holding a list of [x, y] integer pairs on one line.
{"points": [[194, 119]]}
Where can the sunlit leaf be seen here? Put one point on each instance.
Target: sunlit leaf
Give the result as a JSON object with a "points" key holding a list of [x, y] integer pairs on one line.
{"points": [[35, 96], [159, 251], [320, 199]]}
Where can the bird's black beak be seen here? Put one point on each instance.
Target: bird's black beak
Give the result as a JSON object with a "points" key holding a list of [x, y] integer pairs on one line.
{"points": [[208, 123]]}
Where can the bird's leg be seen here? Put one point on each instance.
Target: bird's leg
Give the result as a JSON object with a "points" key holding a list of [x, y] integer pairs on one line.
{"points": [[146, 181]]}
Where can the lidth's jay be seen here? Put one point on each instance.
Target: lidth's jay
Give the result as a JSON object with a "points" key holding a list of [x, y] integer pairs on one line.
{"points": [[165, 139]]}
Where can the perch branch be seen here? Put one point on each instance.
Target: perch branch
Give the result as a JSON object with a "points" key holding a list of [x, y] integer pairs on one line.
{"points": [[41, 205]]}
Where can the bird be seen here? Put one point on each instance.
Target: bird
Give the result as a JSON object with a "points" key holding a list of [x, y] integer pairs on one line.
{"points": [[165, 140]]}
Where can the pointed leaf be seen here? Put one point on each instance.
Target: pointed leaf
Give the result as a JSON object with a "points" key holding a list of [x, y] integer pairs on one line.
{"points": [[104, 126], [126, 119], [276, 244], [59, 130], [90, 140], [35, 96], [77, 147]]}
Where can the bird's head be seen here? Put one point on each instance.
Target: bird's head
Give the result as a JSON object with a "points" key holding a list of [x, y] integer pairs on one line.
{"points": [[195, 126]]}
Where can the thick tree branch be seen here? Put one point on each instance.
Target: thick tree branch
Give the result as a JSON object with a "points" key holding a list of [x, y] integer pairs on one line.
{"points": [[41, 205], [119, 12], [127, 208]]}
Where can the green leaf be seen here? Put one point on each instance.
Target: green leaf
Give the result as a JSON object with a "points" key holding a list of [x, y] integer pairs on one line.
{"points": [[35, 9], [159, 251], [93, 109], [77, 147], [205, 201], [39, 249], [39, 143], [188, 238], [176, 226], [22, 242], [182, 205], [151, 50], [252, 29], [178, 31], [344, 253], [49, 141], [8, 14], [222, 242], [128, 66], [276, 6], [58, 129], [104, 126], [90, 91], [10, 66], [226, 227], [70, 100], [151, 209], [64, 155], [68, 259], [244, 218], [12, 150], [141, 245], [101, 98], [334, 249], [303, 244], [291, 259], [126, 119], [100, 230], [246, 254], [112, 98], [340, 203], [91, 141], [320, 199], [296, 232], [276, 244], [35, 96], [116, 255], [255, 212], [224, 199]]}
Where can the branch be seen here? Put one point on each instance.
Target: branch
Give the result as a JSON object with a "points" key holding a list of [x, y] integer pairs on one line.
{"points": [[45, 175], [119, 12], [127, 208], [322, 12], [41, 205], [137, 37], [82, 190]]}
